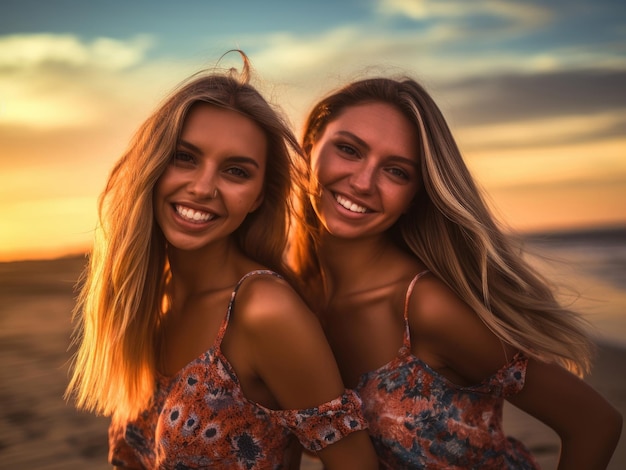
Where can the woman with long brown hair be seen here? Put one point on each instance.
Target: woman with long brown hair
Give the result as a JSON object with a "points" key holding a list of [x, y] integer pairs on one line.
{"points": [[433, 313]]}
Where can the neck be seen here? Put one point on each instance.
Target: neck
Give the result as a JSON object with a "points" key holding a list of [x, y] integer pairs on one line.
{"points": [[352, 264], [214, 267]]}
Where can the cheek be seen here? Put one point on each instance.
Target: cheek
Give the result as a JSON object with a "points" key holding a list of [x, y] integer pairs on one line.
{"points": [[400, 201], [326, 167], [165, 182], [249, 199]]}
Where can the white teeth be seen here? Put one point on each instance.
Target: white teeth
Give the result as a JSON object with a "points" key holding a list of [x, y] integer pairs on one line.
{"points": [[351, 206], [193, 215]]}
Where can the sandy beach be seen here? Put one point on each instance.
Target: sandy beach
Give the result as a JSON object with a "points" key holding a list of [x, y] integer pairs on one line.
{"points": [[38, 430]]}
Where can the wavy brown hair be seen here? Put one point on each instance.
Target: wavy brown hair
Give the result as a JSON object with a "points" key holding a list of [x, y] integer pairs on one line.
{"points": [[451, 230]]}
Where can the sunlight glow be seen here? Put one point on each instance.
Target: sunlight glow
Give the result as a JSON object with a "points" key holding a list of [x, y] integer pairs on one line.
{"points": [[25, 104], [55, 81], [68, 106], [538, 131], [593, 161], [558, 207], [46, 228]]}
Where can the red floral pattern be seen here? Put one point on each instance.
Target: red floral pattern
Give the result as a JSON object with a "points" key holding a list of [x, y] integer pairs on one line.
{"points": [[201, 419], [419, 419]]}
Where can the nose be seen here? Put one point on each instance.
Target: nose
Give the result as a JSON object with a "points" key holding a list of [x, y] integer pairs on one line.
{"points": [[363, 178], [203, 185]]}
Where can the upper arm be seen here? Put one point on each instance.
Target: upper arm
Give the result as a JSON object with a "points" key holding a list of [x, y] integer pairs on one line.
{"points": [[589, 427], [292, 357], [447, 330], [287, 346], [559, 398]]}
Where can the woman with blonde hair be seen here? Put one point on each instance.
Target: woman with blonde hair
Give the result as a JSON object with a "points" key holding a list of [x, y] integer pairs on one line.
{"points": [[189, 334], [433, 314]]}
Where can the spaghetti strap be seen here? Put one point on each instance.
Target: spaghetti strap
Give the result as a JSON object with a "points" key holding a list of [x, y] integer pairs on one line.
{"points": [[231, 303], [407, 335]]}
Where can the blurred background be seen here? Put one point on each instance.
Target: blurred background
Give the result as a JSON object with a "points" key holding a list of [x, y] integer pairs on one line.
{"points": [[534, 91]]}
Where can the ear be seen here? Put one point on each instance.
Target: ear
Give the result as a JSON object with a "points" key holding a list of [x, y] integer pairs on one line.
{"points": [[258, 202]]}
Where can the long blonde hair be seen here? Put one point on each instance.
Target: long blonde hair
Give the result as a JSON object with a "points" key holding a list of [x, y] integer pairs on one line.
{"points": [[123, 292], [451, 230]]}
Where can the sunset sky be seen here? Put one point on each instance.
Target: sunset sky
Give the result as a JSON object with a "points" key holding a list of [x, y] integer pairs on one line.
{"points": [[535, 92]]}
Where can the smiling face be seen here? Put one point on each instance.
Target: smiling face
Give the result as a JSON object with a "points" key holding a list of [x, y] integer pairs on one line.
{"points": [[365, 166], [214, 180]]}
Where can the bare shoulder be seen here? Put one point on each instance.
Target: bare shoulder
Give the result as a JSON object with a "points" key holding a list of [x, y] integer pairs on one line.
{"points": [[266, 299], [277, 341], [449, 335], [268, 292], [434, 308]]}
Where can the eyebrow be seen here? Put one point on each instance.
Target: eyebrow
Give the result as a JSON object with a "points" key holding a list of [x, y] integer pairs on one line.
{"points": [[235, 158], [364, 144]]}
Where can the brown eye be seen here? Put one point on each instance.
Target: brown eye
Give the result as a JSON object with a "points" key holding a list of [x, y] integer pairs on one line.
{"points": [[398, 172], [348, 150], [182, 158], [239, 172]]}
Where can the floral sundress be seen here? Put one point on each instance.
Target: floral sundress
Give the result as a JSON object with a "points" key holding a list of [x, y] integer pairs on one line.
{"points": [[418, 419], [200, 419]]}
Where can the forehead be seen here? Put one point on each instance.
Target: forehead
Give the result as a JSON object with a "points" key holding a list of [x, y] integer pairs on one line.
{"points": [[213, 125], [378, 124]]}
